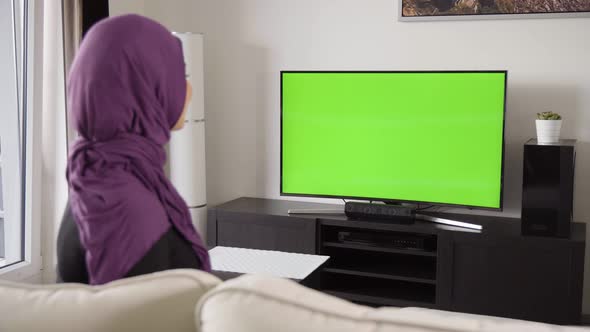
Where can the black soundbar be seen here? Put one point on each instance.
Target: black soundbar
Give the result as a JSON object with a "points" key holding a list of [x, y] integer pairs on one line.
{"points": [[397, 213]]}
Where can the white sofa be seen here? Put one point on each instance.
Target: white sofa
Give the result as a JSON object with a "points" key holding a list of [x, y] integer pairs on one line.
{"points": [[189, 300], [264, 304], [163, 301]]}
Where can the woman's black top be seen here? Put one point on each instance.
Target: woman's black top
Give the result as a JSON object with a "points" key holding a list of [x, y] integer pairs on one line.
{"points": [[171, 251]]}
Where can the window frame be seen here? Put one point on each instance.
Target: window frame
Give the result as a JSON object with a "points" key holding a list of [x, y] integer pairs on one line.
{"points": [[29, 268]]}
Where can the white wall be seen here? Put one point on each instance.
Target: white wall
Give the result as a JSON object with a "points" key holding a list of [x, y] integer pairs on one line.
{"points": [[120, 7], [247, 43]]}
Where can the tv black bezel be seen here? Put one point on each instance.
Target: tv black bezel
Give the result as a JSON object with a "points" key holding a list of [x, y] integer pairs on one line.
{"points": [[500, 208]]}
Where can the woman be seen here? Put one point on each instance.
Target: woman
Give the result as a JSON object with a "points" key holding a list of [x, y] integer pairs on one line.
{"points": [[126, 91]]}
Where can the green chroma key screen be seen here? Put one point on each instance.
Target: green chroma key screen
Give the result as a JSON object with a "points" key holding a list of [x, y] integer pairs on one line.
{"points": [[432, 137]]}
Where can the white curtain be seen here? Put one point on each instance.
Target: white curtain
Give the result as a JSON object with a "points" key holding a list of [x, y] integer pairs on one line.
{"points": [[55, 138]]}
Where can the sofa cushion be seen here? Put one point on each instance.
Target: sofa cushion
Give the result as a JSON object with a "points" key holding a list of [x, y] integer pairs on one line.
{"points": [[162, 301], [266, 304]]}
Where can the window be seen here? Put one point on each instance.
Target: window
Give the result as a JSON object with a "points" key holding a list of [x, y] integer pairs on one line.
{"points": [[2, 255], [10, 132], [2, 241], [18, 254]]}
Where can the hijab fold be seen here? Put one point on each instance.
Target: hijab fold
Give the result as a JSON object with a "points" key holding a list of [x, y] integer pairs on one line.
{"points": [[126, 90]]}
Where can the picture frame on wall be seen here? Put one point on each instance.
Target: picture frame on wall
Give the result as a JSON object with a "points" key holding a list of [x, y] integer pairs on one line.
{"points": [[440, 10]]}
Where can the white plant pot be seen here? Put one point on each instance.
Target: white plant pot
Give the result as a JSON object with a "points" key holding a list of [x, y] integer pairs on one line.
{"points": [[548, 131]]}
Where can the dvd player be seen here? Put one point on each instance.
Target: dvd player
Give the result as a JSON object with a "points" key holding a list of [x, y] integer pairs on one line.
{"points": [[399, 241]]}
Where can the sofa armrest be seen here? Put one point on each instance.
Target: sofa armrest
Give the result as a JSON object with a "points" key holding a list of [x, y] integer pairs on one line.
{"points": [[162, 301]]}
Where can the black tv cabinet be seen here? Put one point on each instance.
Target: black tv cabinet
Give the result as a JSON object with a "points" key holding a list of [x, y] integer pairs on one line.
{"points": [[495, 271]]}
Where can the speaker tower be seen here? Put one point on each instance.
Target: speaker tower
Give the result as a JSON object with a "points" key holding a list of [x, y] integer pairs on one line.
{"points": [[548, 188]]}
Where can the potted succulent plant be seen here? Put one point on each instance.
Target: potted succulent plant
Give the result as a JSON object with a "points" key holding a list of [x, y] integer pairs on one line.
{"points": [[548, 127]]}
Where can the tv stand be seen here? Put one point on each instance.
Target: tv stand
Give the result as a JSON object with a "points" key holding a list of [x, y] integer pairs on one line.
{"points": [[494, 271], [315, 211]]}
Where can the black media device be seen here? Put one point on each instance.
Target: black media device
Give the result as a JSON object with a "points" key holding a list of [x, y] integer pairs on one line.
{"points": [[396, 213], [548, 188], [404, 241]]}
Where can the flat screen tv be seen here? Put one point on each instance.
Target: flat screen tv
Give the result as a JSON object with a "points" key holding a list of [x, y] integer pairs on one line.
{"points": [[432, 137]]}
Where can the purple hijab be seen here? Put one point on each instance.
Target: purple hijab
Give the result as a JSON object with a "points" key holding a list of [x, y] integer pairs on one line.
{"points": [[126, 90]]}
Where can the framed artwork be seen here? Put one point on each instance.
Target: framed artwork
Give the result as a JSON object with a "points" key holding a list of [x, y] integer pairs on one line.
{"points": [[425, 10]]}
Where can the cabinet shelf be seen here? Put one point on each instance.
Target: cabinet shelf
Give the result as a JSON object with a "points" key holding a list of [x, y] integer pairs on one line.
{"points": [[382, 265], [379, 249], [376, 300], [379, 275], [378, 291]]}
